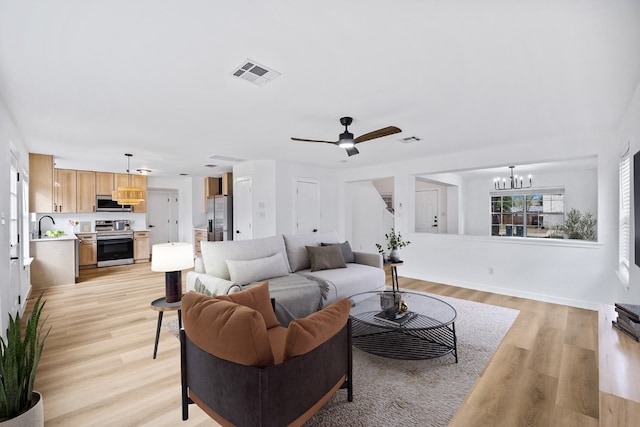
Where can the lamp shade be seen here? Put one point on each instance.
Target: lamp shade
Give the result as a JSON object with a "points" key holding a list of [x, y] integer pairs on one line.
{"points": [[173, 256]]}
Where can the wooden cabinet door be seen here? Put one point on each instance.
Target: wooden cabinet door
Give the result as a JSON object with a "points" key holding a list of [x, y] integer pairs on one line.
{"points": [[88, 250], [40, 183], [104, 183], [121, 180], [86, 191], [140, 181], [199, 236], [141, 250], [65, 191]]}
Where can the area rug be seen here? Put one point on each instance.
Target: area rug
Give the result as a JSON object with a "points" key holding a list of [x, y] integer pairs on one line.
{"points": [[390, 392]]}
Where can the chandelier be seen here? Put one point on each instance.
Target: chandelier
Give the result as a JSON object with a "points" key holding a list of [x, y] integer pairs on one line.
{"points": [[128, 195], [514, 182]]}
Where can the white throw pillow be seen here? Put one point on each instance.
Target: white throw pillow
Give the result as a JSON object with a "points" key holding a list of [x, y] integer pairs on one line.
{"points": [[244, 272]]}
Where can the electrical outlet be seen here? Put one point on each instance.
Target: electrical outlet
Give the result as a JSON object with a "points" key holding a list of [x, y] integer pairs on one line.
{"points": [[490, 270]]}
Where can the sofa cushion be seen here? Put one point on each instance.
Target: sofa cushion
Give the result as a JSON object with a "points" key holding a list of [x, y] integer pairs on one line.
{"points": [[296, 247], [244, 272], [226, 330], [342, 283], [345, 247], [325, 257], [213, 286], [215, 254], [303, 335], [258, 298]]}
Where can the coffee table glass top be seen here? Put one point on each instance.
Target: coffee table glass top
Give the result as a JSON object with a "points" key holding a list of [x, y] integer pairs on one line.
{"points": [[432, 312]]}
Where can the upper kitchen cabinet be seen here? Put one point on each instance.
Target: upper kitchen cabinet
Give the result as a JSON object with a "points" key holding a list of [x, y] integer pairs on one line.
{"points": [[41, 183], [227, 184], [64, 200], [104, 183], [86, 191], [140, 181]]}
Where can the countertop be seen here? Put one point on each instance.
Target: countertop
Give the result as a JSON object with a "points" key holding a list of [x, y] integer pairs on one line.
{"points": [[45, 238]]}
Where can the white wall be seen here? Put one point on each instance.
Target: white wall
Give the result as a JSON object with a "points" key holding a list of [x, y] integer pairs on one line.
{"points": [[9, 140], [629, 132], [264, 190], [371, 218], [573, 273]]}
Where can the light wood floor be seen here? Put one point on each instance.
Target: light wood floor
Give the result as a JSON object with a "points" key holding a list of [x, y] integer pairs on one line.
{"points": [[97, 367]]}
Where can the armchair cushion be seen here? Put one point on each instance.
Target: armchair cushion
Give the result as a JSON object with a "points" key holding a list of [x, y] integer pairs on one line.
{"points": [[303, 335], [325, 257], [258, 298], [227, 330]]}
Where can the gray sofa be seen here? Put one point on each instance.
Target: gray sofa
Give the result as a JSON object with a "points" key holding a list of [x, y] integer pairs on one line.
{"points": [[284, 262]]}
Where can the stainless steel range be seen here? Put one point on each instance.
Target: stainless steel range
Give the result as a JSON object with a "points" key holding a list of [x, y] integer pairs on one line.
{"points": [[115, 242]]}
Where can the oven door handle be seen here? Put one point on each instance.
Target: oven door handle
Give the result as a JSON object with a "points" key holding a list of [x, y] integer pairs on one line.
{"points": [[115, 240]]}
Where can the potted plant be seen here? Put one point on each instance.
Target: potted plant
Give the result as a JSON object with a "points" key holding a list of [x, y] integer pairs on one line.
{"points": [[579, 226], [394, 242], [19, 358]]}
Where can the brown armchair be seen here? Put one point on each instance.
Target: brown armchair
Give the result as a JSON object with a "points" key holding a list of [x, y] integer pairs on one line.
{"points": [[243, 369]]}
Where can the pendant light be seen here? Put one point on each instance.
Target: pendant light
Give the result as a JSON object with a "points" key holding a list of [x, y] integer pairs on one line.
{"points": [[128, 195]]}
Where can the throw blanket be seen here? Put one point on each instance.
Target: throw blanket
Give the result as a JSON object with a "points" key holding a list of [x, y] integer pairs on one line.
{"points": [[295, 295]]}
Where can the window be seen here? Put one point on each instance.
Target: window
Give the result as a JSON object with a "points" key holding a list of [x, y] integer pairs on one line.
{"points": [[527, 214], [624, 217]]}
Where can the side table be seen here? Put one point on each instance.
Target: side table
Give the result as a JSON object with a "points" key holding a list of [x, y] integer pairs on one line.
{"points": [[394, 274], [161, 305]]}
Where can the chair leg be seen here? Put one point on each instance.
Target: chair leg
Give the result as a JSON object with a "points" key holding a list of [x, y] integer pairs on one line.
{"points": [[350, 362], [183, 376]]}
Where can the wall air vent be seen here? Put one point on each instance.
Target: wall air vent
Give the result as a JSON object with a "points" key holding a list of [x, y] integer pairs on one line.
{"points": [[255, 73], [220, 157], [410, 139]]}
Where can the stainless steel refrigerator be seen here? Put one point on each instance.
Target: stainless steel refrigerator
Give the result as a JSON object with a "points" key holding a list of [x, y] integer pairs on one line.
{"points": [[222, 218]]}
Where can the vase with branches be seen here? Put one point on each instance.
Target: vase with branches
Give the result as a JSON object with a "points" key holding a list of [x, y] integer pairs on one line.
{"points": [[394, 241]]}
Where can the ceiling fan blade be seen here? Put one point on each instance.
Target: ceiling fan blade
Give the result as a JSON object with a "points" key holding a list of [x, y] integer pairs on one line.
{"points": [[313, 140], [351, 151], [390, 130]]}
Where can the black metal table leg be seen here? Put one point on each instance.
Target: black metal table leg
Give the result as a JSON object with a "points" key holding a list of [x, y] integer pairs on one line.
{"points": [[155, 348], [180, 319]]}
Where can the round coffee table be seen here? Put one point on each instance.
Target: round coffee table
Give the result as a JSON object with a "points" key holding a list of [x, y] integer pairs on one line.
{"points": [[431, 333]]}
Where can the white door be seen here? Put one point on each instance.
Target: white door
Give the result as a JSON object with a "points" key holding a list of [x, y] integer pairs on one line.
{"points": [[307, 207], [427, 211], [162, 208], [242, 209]]}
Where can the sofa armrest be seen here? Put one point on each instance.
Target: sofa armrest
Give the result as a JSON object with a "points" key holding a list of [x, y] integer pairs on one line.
{"points": [[199, 265], [210, 285], [367, 258]]}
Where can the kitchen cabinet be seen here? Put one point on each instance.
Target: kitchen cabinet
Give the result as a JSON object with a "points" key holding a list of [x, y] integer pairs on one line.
{"points": [[227, 184], [141, 250], [88, 250], [104, 183], [199, 235], [140, 181], [211, 188], [54, 261], [120, 180], [86, 191], [65, 191], [41, 180]]}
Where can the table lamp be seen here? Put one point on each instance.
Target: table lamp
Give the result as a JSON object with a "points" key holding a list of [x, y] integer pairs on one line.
{"points": [[172, 258]]}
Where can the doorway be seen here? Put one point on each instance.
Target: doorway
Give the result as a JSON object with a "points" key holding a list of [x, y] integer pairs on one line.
{"points": [[162, 216], [427, 211], [242, 209], [307, 206]]}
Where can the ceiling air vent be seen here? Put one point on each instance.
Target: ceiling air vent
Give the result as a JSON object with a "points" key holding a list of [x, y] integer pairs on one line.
{"points": [[410, 139], [255, 73]]}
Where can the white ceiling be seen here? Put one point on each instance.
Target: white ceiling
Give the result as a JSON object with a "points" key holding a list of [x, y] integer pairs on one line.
{"points": [[89, 81]]}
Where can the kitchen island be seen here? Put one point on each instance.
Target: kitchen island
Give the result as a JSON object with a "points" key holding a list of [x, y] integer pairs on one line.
{"points": [[54, 261]]}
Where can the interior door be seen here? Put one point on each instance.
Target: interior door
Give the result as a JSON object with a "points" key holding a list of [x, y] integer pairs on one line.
{"points": [[161, 222], [242, 209], [307, 207], [427, 211]]}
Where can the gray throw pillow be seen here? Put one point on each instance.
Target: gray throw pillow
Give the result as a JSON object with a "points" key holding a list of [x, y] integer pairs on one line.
{"points": [[325, 257], [345, 247]]}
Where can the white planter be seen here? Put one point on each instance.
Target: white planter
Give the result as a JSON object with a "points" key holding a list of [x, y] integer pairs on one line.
{"points": [[394, 256], [34, 417]]}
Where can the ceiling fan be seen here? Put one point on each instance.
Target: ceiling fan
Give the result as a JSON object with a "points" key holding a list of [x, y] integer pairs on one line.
{"points": [[348, 142]]}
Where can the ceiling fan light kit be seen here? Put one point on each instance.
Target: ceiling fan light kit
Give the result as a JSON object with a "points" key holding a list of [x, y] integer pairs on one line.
{"points": [[348, 142]]}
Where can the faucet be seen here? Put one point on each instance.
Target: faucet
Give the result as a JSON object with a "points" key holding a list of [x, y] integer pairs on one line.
{"points": [[40, 223]]}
